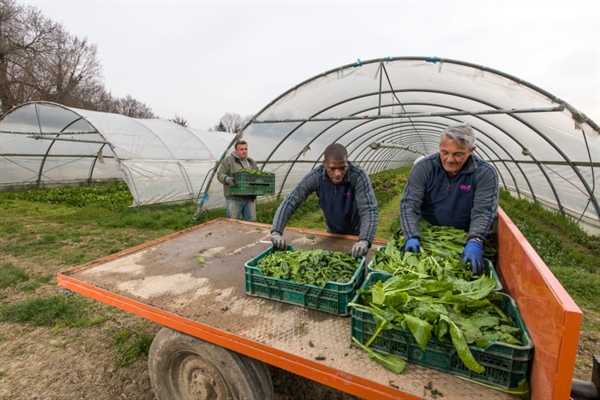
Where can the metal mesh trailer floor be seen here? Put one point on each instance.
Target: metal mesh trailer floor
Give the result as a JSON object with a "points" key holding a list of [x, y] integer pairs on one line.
{"points": [[194, 281]]}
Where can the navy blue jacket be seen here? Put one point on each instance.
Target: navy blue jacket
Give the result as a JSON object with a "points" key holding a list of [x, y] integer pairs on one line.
{"points": [[350, 207], [467, 201]]}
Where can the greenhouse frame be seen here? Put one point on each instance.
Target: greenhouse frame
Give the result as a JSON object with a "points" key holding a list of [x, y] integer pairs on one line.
{"points": [[388, 112]]}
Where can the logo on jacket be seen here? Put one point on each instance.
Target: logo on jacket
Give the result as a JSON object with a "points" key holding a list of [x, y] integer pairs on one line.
{"points": [[346, 194], [465, 188]]}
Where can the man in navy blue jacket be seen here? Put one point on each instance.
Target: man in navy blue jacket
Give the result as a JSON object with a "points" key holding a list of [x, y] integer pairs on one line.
{"points": [[345, 195], [452, 188]]}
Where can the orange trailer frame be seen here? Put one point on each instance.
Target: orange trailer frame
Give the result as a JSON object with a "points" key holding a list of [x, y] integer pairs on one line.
{"points": [[552, 318]]}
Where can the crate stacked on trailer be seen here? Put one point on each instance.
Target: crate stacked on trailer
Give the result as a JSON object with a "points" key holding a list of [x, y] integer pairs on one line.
{"points": [[409, 301], [500, 362], [331, 295]]}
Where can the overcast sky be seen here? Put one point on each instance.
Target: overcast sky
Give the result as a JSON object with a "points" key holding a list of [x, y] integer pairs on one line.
{"points": [[200, 59]]}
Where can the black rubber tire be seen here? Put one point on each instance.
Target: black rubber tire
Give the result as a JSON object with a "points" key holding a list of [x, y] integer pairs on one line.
{"points": [[183, 367]]}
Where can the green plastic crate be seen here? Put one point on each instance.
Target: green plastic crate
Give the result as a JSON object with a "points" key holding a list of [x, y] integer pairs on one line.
{"points": [[505, 364], [332, 299], [248, 184], [488, 269]]}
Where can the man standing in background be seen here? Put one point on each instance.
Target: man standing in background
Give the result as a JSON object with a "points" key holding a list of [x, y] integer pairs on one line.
{"points": [[237, 205]]}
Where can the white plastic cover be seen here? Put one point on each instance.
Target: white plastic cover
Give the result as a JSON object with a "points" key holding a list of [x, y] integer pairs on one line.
{"points": [[45, 145], [388, 112]]}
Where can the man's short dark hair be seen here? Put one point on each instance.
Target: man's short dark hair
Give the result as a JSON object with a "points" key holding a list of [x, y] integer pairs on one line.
{"points": [[240, 142], [336, 151]]}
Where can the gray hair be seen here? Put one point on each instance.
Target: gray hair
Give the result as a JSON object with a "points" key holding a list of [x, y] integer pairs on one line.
{"points": [[462, 134]]}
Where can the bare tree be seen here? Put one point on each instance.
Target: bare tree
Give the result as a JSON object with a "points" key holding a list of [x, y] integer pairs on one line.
{"points": [[73, 71], [231, 122], [180, 120], [40, 60], [134, 108], [25, 36], [102, 100]]}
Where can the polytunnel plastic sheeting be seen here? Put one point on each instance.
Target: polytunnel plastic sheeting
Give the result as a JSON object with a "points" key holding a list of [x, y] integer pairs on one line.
{"points": [[46, 145], [388, 112]]}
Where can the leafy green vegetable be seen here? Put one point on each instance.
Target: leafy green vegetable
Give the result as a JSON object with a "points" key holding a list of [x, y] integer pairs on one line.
{"points": [[420, 329], [522, 390], [442, 240], [438, 240], [383, 320], [432, 293], [460, 344], [441, 265], [314, 267], [389, 361], [258, 172]]}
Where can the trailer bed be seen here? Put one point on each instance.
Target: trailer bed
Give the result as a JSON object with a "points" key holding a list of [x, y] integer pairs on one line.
{"points": [[166, 282]]}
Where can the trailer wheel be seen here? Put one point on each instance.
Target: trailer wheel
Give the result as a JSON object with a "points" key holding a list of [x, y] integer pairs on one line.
{"points": [[184, 367]]}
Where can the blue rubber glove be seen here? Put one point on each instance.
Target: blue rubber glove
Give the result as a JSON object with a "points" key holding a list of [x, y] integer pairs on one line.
{"points": [[278, 241], [229, 180], [360, 249], [413, 245], [473, 253]]}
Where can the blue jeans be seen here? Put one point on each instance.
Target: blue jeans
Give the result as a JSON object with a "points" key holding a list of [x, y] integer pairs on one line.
{"points": [[239, 208]]}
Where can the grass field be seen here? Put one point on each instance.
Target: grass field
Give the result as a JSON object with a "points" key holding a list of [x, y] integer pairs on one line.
{"points": [[43, 232]]}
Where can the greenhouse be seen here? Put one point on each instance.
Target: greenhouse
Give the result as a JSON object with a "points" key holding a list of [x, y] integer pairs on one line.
{"points": [[47, 145], [388, 112]]}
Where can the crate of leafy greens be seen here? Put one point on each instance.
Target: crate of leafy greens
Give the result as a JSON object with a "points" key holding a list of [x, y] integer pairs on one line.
{"points": [[440, 255], [253, 182], [316, 279], [466, 329]]}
